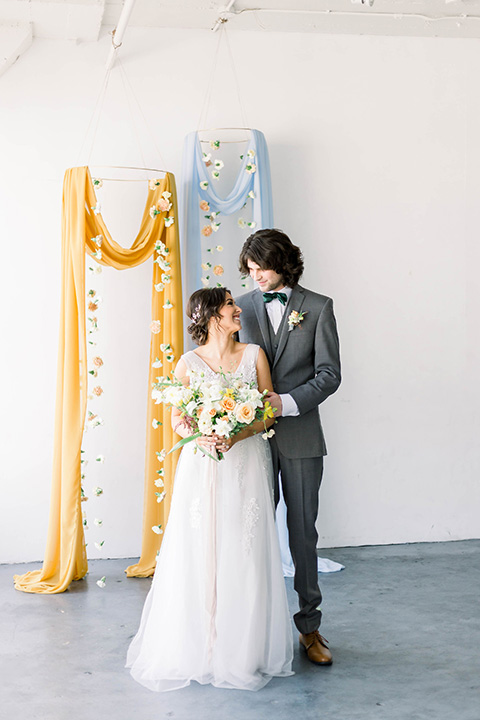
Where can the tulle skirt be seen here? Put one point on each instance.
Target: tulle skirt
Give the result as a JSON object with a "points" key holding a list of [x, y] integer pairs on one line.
{"points": [[217, 610]]}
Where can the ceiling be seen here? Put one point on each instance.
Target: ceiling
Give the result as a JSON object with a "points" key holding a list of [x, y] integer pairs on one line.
{"points": [[83, 20]]}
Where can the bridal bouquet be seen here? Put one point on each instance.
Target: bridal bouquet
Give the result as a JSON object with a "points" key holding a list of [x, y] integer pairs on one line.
{"points": [[223, 406]]}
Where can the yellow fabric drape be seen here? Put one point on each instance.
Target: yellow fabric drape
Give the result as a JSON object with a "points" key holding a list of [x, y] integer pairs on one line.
{"points": [[65, 556]]}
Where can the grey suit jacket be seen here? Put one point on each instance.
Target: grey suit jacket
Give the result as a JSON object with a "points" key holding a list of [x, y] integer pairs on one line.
{"points": [[306, 364]]}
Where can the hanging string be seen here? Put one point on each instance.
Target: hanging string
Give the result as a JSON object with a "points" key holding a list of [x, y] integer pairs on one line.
{"points": [[124, 72], [235, 76], [100, 99], [208, 94], [132, 118]]}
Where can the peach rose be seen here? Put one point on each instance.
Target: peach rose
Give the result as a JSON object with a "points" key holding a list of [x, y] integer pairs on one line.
{"points": [[164, 205], [218, 270], [204, 206], [228, 404], [92, 306], [206, 230], [97, 361], [155, 326], [245, 413], [97, 390]]}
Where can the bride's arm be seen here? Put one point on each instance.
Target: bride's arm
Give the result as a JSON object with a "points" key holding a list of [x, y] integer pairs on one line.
{"points": [[178, 423], [264, 380]]}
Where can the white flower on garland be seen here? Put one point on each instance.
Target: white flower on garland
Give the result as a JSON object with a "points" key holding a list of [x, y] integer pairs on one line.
{"points": [[158, 363], [250, 168], [215, 175], [97, 491], [100, 459], [219, 248], [168, 305], [159, 483], [251, 153], [205, 281], [161, 455], [165, 278], [153, 183], [99, 545], [98, 240], [162, 263], [161, 472], [97, 254], [160, 247], [207, 157], [97, 182], [215, 226], [159, 287], [252, 195], [157, 529], [169, 221], [170, 358], [241, 223], [97, 208], [219, 164], [101, 583], [156, 424], [252, 224], [98, 522], [160, 496], [96, 270], [204, 184], [165, 347]]}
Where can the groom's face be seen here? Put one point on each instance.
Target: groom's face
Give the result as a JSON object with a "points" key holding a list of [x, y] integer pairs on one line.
{"points": [[267, 280]]}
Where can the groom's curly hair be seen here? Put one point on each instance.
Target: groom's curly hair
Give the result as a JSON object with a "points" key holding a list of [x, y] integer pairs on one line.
{"points": [[202, 305], [272, 249]]}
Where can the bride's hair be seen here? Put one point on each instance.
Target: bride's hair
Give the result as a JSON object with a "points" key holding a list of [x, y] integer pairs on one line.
{"points": [[271, 249], [203, 305]]}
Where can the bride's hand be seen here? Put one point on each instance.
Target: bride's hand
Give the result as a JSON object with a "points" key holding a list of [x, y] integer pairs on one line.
{"points": [[208, 442], [223, 444]]}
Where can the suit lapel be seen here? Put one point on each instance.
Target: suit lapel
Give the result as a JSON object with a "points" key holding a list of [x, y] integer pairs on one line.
{"points": [[263, 321], [295, 303]]}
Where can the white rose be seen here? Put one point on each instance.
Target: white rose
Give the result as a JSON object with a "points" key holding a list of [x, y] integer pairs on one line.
{"points": [[245, 413], [205, 423]]}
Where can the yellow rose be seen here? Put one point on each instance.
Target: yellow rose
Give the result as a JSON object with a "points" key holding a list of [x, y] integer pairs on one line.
{"points": [[245, 413]]}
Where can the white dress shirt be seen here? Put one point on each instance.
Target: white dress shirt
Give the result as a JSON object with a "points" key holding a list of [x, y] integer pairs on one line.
{"points": [[275, 311]]}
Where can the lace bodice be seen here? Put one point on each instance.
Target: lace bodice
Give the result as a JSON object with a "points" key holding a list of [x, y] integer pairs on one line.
{"points": [[246, 371]]}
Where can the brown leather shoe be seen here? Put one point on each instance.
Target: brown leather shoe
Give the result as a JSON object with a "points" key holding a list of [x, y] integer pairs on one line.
{"points": [[316, 647]]}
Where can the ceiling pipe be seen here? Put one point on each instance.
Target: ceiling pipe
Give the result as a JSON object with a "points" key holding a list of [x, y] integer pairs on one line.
{"points": [[119, 32], [222, 16]]}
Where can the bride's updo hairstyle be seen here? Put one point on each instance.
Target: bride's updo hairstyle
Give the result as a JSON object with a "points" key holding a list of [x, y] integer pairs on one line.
{"points": [[202, 306]]}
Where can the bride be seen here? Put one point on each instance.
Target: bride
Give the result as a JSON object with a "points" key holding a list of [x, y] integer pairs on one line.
{"points": [[217, 609]]}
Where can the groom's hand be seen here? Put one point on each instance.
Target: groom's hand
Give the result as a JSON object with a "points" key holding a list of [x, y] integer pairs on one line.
{"points": [[276, 403]]}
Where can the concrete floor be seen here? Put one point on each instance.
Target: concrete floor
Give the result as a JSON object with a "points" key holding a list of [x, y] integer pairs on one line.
{"points": [[403, 623]]}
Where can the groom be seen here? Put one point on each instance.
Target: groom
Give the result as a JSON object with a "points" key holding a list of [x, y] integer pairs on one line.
{"points": [[297, 330]]}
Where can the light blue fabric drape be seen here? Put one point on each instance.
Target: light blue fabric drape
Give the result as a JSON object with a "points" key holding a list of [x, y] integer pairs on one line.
{"points": [[194, 172]]}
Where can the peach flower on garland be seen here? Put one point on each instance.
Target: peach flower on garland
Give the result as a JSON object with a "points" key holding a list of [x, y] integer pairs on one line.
{"points": [[164, 205], [218, 270], [206, 230], [155, 326], [92, 306], [204, 206], [97, 361], [97, 390]]}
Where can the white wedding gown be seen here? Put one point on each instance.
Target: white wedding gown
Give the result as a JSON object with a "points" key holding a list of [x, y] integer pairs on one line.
{"points": [[217, 610]]}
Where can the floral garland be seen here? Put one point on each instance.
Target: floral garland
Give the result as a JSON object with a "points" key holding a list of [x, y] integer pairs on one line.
{"points": [[213, 225], [164, 206], [95, 390]]}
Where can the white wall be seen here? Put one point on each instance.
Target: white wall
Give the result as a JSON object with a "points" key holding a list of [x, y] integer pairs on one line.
{"points": [[375, 150]]}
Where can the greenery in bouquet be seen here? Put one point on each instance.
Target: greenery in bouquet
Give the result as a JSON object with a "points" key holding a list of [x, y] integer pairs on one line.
{"points": [[224, 406]]}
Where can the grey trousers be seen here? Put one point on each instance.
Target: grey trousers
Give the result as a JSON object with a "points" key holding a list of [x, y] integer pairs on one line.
{"points": [[301, 480]]}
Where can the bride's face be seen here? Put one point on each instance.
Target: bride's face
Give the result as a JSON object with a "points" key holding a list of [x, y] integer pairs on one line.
{"points": [[229, 316]]}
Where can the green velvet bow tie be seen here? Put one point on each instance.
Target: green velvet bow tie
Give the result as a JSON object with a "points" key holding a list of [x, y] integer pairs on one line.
{"points": [[269, 296]]}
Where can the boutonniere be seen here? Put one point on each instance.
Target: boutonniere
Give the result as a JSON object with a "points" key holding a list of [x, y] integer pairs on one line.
{"points": [[295, 319]]}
